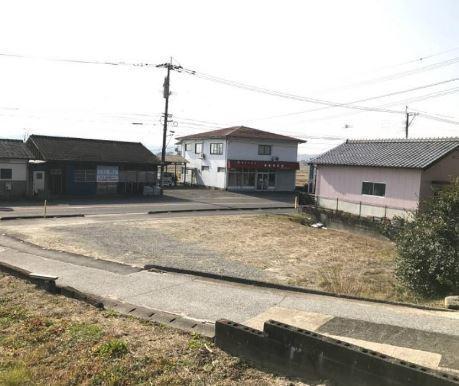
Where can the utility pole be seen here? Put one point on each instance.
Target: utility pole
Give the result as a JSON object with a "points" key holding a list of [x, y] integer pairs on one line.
{"points": [[166, 92], [407, 120]]}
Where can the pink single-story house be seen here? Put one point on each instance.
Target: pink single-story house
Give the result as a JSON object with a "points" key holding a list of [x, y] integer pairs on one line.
{"points": [[384, 177]]}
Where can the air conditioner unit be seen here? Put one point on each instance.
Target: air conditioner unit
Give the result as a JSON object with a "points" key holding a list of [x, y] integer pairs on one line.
{"points": [[274, 158]]}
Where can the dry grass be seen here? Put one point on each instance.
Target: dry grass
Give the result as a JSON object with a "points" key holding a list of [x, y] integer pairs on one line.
{"points": [[51, 340], [296, 254], [284, 249]]}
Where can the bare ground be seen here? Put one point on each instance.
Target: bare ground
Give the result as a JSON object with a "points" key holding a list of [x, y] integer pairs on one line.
{"points": [[47, 339], [267, 247]]}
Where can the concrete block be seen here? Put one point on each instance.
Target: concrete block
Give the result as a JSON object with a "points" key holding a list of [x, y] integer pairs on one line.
{"points": [[293, 351], [206, 329], [452, 302]]}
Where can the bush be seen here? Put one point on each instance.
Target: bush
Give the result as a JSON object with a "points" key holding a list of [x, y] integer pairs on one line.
{"points": [[428, 246]]}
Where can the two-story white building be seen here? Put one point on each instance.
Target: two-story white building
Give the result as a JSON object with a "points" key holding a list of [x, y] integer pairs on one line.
{"points": [[241, 158]]}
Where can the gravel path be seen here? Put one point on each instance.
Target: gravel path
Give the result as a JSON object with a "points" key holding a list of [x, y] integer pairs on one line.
{"points": [[138, 246]]}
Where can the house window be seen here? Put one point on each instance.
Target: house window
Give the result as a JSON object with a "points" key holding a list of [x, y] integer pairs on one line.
{"points": [[6, 174], [216, 148], [204, 168], [221, 169], [198, 148], [84, 175], [374, 189], [187, 146], [264, 149]]}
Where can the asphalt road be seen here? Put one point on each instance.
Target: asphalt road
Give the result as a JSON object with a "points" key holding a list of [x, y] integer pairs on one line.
{"points": [[172, 200]]}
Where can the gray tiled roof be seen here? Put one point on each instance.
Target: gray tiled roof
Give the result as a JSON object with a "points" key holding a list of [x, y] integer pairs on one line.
{"points": [[14, 148], [395, 153], [90, 150]]}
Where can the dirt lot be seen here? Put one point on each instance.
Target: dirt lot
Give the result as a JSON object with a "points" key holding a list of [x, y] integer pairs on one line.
{"points": [[51, 340], [267, 247]]}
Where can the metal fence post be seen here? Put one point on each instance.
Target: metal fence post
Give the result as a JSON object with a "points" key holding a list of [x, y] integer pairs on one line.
{"points": [[336, 204], [360, 208]]}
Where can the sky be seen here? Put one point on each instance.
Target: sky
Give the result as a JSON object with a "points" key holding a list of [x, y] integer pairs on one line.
{"points": [[331, 50]]}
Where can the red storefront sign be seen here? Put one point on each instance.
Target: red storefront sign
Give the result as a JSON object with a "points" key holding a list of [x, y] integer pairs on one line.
{"points": [[273, 165]]}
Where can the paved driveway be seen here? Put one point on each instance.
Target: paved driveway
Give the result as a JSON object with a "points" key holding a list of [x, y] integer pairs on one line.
{"points": [[173, 199]]}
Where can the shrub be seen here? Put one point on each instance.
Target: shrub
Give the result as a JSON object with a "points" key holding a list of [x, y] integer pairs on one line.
{"points": [[428, 246]]}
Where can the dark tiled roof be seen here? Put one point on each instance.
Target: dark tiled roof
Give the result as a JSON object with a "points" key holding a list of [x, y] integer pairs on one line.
{"points": [[241, 132], [175, 158], [395, 153], [14, 148], [92, 150]]}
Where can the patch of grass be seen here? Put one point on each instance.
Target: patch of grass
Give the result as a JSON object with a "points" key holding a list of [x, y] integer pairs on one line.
{"points": [[110, 313], [61, 341], [10, 314], [85, 332], [334, 279], [114, 348], [197, 342], [15, 375]]}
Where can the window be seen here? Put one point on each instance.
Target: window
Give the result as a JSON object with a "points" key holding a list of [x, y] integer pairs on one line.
{"points": [[374, 189], [198, 148], [204, 168], [242, 178], [216, 148], [220, 169], [187, 146], [6, 174], [84, 175], [264, 149]]}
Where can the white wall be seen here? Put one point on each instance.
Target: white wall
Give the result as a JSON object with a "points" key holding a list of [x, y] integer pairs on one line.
{"points": [[209, 177], [237, 149], [247, 149], [19, 168]]}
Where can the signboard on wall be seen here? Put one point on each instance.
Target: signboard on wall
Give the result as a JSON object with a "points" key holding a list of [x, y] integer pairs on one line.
{"points": [[107, 173], [263, 165]]}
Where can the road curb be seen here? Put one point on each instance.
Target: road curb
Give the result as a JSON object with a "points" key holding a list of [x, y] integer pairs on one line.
{"points": [[89, 261], [217, 209], [6, 218], [150, 314], [284, 287]]}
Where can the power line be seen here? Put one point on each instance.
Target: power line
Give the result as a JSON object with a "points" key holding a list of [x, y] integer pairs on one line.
{"points": [[436, 118], [362, 100], [398, 75], [398, 102], [283, 94], [79, 61], [419, 59]]}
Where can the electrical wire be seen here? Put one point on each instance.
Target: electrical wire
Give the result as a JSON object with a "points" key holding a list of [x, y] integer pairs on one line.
{"points": [[361, 100], [79, 61], [283, 94]]}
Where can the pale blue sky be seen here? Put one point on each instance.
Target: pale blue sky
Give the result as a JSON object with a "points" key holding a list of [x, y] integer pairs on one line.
{"points": [[309, 48]]}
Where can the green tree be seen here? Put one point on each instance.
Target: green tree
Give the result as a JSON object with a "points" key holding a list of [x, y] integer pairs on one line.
{"points": [[428, 246]]}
